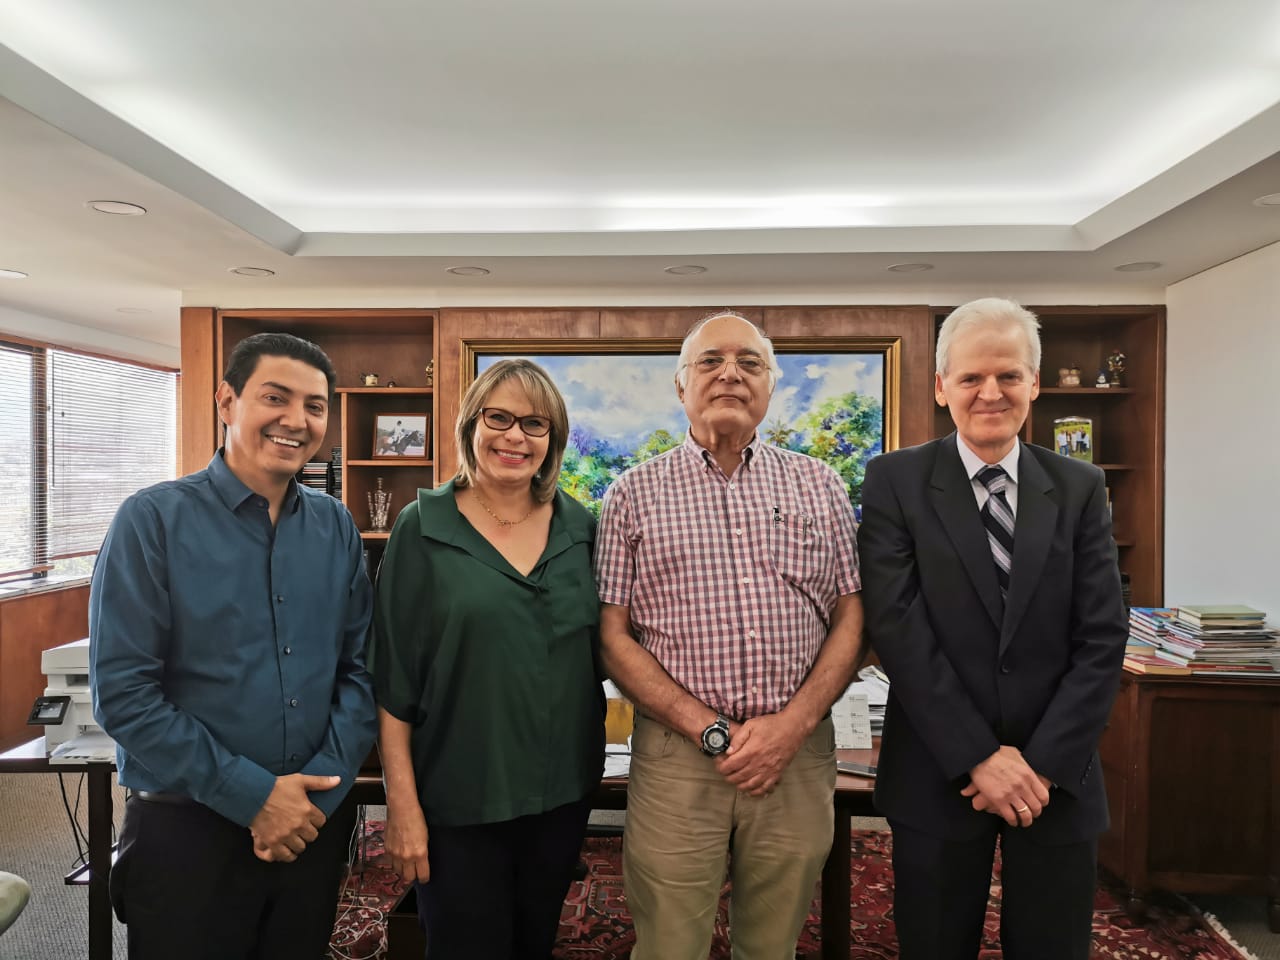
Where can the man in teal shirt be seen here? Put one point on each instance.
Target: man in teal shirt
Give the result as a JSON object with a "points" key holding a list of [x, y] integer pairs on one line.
{"points": [[227, 620]]}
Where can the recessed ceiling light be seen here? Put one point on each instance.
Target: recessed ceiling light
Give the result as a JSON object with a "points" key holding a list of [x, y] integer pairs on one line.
{"points": [[12, 275], [1140, 266], [467, 271], [118, 208], [1270, 200], [132, 310], [909, 267], [253, 271], [685, 270]]}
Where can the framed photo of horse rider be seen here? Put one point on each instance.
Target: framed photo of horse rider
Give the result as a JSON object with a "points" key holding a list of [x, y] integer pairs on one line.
{"points": [[400, 435]]}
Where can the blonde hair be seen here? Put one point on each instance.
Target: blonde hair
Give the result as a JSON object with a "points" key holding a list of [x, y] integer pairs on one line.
{"points": [[546, 401]]}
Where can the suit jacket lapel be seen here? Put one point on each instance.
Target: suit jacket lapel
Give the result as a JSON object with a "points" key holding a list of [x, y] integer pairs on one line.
{"points": [[954, 503], [1032, 535]]}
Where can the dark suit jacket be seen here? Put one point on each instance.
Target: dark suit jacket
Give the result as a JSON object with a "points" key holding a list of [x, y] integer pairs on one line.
{"points": [[966, 676]]}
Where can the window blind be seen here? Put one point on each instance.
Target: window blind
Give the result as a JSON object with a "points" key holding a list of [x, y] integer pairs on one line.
{"points": [[18, 502], [111, 432], [78, 434]]}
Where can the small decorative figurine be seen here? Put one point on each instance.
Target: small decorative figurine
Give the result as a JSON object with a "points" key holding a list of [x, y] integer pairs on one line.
{"points": [[1069, 376], [431, 373], [369, 379], [1102, 380], [379, 508], [1115, 368], [391, 383]]}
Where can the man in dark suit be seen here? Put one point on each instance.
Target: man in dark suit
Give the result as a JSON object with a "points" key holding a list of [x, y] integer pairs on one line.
{"points": [[993, 601]]}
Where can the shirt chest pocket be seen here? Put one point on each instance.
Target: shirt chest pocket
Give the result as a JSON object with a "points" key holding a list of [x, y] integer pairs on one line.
{"points": [[800, 546]]}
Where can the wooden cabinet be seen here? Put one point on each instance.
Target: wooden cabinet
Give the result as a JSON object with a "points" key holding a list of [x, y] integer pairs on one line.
{"points": [[1128, 421], [397, 345], [1192, 769]]}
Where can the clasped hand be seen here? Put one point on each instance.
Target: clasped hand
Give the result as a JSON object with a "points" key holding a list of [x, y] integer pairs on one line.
{"points": [[1004, 784], [288, 821], [759, 750]]}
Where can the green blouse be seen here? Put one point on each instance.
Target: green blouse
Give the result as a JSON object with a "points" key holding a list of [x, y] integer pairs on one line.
{"points": [[494, 671]]}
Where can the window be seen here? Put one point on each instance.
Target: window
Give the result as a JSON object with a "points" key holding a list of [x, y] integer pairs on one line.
{"points": [[78, 434]]}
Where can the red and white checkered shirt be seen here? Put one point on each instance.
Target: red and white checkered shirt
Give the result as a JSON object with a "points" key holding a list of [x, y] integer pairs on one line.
{"points": [[731, 581]]}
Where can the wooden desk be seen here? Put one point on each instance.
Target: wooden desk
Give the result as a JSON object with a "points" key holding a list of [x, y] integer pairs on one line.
{"points": [[853, 798], [30, 758], [1192, 768]]}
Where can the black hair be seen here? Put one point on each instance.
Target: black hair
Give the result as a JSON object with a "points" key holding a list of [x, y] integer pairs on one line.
{"points": [[244, 358]]}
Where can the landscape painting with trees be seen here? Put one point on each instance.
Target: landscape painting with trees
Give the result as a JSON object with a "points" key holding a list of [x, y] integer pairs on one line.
{"points": [[623, 410]]}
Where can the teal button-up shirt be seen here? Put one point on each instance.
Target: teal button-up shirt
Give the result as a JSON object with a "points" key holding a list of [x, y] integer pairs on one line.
{"points": [[495, 671], [225, 652]]}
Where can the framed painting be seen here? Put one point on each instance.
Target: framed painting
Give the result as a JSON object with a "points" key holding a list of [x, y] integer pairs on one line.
{"points": [[398, 435], [836, 399]]}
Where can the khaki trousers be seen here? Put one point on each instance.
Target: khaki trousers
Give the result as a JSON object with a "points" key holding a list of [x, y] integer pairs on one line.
{"points": [[684, 820]]}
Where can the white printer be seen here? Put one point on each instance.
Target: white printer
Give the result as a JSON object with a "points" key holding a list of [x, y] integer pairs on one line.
{"points": [[66, 669]]}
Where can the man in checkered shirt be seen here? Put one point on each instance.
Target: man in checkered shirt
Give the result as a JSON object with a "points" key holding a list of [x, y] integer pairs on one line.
{"points": [[728, 573]]}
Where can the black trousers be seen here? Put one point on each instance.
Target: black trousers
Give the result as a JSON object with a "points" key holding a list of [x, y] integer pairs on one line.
{"points": [[497, 889], [941, 887], [187, 884]]}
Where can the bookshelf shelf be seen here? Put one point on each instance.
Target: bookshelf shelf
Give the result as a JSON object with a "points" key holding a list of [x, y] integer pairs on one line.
{"points": [[393, 462], [1085, 391]]}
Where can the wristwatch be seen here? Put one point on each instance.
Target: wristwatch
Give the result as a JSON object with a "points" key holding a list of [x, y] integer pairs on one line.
{"points": [[715, 739]]}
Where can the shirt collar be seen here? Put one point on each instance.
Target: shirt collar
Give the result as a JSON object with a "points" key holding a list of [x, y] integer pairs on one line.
{"points": [[706, 458], [439, 517], [232, 491], [974, 464]]}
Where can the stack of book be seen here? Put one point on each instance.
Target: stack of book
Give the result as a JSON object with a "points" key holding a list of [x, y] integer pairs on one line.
{"points": [[1143, 653], [1224, 640], [315, 474], [335, 484]]}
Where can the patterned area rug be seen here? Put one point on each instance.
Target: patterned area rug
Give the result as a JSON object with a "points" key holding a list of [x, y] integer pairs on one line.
{"points": [[595, 924]]}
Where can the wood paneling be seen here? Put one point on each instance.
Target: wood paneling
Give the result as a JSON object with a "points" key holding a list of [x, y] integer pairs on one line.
{"points": [[30, 625], [199, 380]]}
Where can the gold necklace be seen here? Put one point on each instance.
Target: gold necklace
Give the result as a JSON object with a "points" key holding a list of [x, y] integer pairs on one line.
{"points": [[501, 522]]}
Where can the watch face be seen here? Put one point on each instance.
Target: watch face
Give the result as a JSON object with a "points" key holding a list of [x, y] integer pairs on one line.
{"points": [[715, 739]]}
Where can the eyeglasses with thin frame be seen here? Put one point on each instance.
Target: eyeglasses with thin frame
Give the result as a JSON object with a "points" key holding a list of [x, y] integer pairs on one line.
{"points": [[495, 418], [713, 363]]}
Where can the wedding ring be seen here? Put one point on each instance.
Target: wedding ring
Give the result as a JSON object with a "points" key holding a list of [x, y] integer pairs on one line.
{"points": [[1021, 809]]}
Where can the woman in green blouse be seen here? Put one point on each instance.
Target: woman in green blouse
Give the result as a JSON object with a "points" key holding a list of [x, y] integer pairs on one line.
{"points": [[483, 656]]}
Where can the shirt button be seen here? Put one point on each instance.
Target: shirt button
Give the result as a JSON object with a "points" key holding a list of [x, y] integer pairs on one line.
{"points": [[279, 598], [1005, 668], [733, 486], [293, 758], [746, 579], [293, 702], [737, 532], [755, 689], [288, 650], [751, 634]]}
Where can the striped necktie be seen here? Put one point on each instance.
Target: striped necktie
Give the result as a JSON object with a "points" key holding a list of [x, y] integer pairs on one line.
{"points": [[997, 517]]}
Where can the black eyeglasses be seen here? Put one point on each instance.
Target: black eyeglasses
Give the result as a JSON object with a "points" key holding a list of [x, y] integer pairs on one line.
{"points": [[495, 418]]}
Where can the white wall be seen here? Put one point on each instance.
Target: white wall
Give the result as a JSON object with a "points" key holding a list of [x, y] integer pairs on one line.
{"points": [[1222, 453], [75, 336]]}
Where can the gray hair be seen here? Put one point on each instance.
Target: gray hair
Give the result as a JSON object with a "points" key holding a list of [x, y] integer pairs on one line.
{"points": [[682, 369], [989, 311]]}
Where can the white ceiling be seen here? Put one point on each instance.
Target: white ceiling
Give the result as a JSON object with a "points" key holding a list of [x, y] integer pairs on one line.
{"points": [[575, 148]]}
